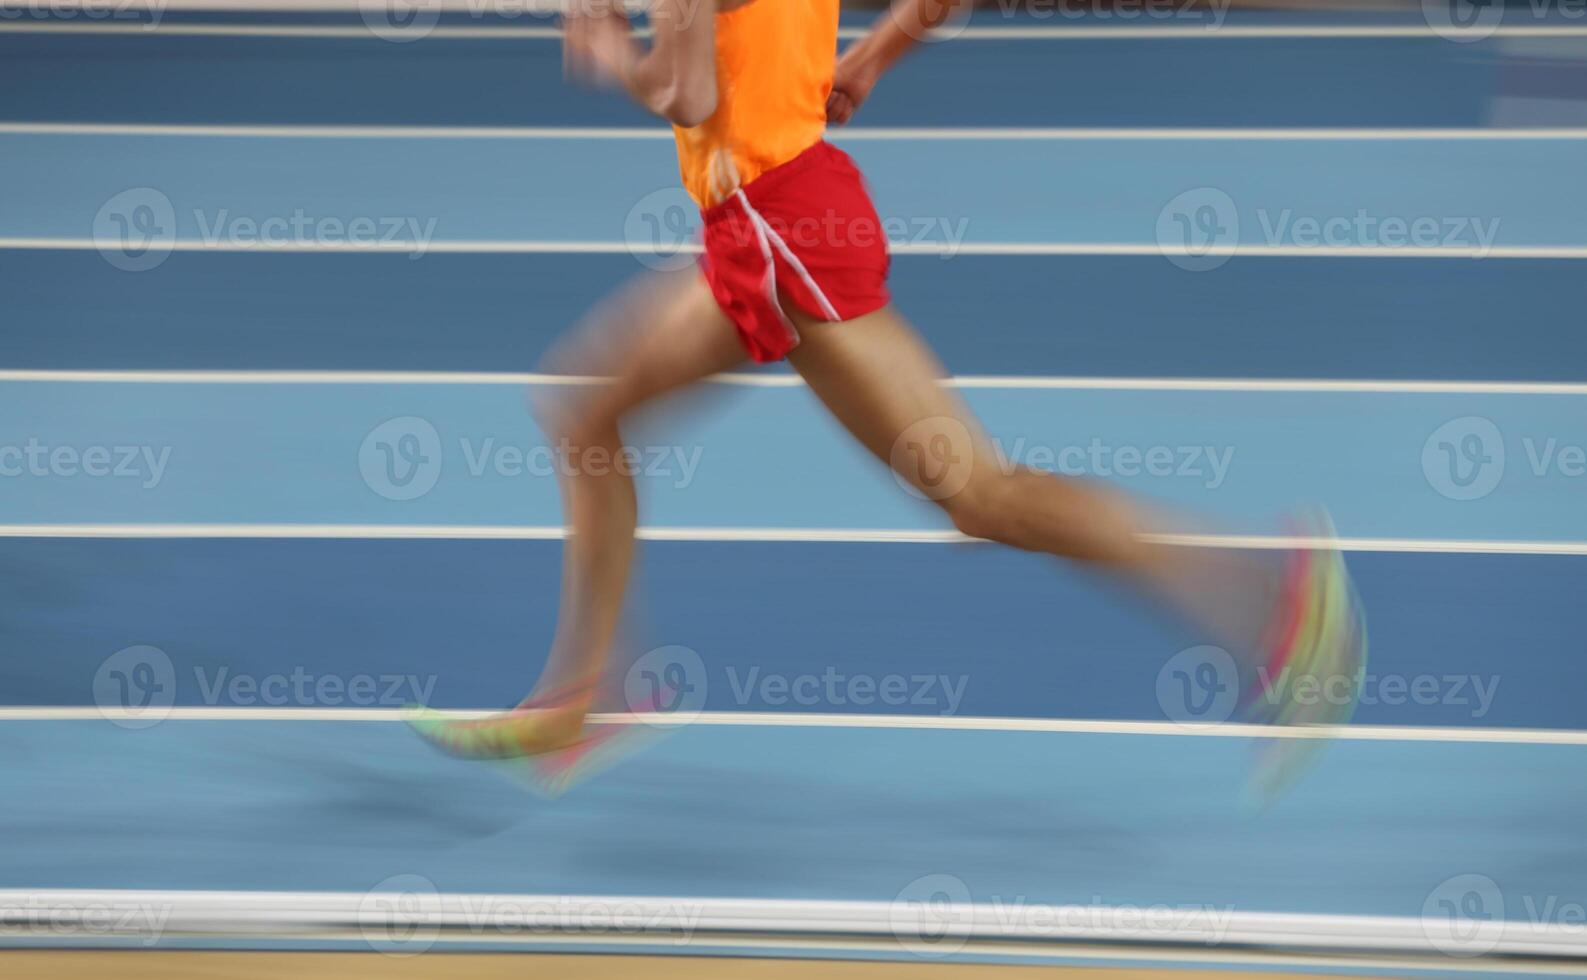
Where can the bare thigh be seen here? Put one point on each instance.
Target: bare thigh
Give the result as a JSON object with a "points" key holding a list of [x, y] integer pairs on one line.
{"points": [[655, 336], [880, 380], [884, 384]]}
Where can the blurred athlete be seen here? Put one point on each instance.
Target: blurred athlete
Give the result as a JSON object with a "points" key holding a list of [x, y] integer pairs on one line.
{"points": [[795, 267]]}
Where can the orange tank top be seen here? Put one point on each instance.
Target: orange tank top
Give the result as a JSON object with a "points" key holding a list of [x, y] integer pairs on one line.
{"points": [[774, 62]]}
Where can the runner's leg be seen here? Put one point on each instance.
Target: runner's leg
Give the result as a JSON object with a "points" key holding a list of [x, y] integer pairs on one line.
{"points": [[653, 338], [879, 379]]}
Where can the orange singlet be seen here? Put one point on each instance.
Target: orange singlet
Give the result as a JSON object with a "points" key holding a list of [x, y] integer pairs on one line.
{"points": [[774, 61], [788, 220]]}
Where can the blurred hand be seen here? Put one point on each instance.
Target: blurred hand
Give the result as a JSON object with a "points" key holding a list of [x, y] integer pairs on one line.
{"points": [[598, 46], [852, 82]]}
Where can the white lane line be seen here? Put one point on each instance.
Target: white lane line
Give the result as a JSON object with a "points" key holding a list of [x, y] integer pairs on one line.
{"points": [[534, 32], [68, 912], [763, 535], [424, 912], [750, 719], [790, 380], [984, 952], [858, 134], [990, 952], [942, 249]]}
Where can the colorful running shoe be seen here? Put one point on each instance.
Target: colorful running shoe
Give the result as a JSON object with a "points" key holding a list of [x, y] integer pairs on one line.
{"points": [[536, 726], [1317, 665], [605, 744], [536, 743]]}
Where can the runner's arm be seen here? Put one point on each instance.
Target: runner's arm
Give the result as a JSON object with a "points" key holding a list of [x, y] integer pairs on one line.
{"points": [[675, 77], [890, 38]]}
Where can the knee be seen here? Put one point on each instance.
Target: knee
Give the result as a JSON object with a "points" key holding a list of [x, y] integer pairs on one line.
{"points": [[578, 409], [980, 509]]}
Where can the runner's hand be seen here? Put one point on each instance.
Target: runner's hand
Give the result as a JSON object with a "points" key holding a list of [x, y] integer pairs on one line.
{"points": [[852, 82], [598, 46]]}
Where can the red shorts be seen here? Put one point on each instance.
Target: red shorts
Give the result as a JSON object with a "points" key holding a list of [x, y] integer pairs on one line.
{"points": [[804, 232]]}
